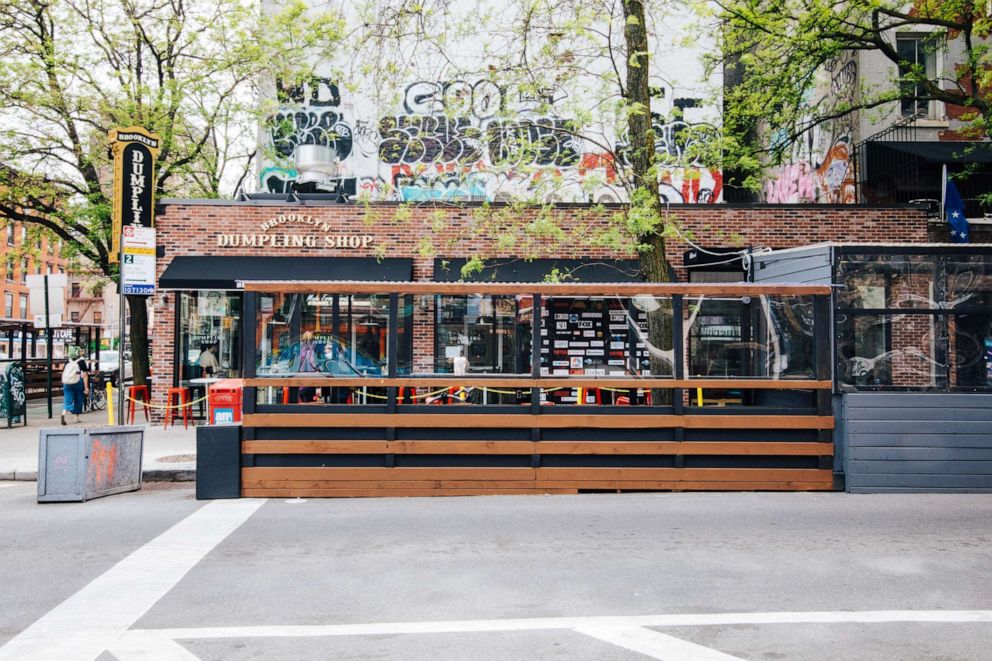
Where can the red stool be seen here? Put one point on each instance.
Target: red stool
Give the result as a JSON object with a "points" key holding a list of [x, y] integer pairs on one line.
{"points": [[181, 396], [133, 393]]}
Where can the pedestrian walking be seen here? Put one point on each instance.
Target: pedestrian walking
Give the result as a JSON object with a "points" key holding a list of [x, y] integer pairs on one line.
{"points": [[75, 384]]}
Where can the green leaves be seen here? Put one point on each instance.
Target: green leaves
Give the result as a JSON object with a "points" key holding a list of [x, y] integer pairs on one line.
{"points": [[189, 71]]}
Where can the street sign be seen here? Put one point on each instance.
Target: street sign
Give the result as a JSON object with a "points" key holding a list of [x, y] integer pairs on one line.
{"points": [[57, 283], [54, 321], [139, 260], [135, 151]]}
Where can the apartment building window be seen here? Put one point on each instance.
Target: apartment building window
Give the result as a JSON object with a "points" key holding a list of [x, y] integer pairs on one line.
{"points": [[24, 271], [97, 317], [8, 305], [77, 290], [49, 269], [74, 317], [24, 234], [10, 235], [24, 306], [918, 54], [10, 271], [37, 268]]}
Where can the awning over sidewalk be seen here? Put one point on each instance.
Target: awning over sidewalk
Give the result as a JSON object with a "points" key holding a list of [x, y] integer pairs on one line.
{"points": [[222, 272]]}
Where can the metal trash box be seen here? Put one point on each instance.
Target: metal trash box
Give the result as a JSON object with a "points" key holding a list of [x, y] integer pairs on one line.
{"points": [[76, 465]]}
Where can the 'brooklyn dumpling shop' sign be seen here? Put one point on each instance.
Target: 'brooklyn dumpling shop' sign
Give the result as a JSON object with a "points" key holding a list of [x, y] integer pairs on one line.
{"points": [[273, 234]]}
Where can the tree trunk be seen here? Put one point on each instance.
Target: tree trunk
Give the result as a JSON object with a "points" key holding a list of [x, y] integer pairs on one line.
{"points": [[138, 309], [642, 158]]}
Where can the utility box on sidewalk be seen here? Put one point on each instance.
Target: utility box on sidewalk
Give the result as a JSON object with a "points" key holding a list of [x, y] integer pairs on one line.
{"points": [[224, 401], [76, 465]]}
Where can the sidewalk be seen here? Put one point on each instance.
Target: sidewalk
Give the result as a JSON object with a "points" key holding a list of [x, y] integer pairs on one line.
{"points": [[169, 454]]}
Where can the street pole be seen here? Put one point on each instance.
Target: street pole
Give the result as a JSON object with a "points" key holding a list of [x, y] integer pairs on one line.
{"points": [[48, 344], [120, 341]]}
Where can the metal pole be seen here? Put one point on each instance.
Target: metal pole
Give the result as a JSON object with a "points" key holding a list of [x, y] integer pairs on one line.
{"points": [[120, 341], [48, 350]]}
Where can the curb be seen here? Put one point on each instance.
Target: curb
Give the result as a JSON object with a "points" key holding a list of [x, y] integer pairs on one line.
{"points": [[146, 476], [168, 476]]}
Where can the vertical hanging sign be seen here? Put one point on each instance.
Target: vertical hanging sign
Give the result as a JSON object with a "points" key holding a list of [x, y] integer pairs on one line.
{"points": [[135, 151]]}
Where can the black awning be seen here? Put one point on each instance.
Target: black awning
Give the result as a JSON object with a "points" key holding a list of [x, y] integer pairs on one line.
{"points": [[216, 272], [537, 270], [940, 152]]}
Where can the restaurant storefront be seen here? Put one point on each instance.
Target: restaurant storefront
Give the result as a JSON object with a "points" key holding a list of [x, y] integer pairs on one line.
{"points": [[209, 249]]}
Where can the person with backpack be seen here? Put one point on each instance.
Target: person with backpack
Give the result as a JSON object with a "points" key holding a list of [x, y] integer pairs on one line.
{"points": [[75, 384]]}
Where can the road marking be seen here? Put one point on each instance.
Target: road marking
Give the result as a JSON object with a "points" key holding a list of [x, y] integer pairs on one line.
{"points": [[88, 622], [541, 623], [149, 645], [655, 644]]}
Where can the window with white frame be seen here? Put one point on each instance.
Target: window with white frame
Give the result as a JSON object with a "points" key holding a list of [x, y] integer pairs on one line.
{"points": [[918, 56]]}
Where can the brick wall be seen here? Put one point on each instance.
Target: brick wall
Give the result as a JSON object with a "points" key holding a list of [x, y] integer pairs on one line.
{"points": [[194, 228]]}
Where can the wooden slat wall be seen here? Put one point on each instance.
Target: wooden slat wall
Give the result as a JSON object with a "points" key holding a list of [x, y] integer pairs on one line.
{"points": [[917, 442], [406, 480], [343, 482]]}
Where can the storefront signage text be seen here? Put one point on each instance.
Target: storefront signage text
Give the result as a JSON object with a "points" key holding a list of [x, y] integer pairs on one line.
{"points": [[281, 240], [135, 151]]}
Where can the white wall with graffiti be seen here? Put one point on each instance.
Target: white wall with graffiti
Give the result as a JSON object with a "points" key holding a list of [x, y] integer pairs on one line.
{"points": [[472, 137], [820, 168]]}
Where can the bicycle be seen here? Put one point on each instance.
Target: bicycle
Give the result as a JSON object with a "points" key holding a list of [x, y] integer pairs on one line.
{"points": [[97, 398]]}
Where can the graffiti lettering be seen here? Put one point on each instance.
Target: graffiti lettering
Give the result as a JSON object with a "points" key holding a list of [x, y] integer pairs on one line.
{"points": [[289, 129], [453, 140], [428, 139], [314, 92], [542, 141]]}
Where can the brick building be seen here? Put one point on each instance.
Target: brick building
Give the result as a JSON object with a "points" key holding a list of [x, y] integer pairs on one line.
{"points": [[207, 246], [23, 253]]}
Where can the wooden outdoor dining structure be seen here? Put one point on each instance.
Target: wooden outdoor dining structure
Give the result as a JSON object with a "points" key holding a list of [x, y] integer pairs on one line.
{"points": [[774, 433]]}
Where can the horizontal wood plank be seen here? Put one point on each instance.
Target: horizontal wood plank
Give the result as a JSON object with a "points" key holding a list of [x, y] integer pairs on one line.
{"points": [[395, 493], [630, 383], [572, 475], [528, 420], [747, 448], [543, 476], [527, 288], [386, 474]]}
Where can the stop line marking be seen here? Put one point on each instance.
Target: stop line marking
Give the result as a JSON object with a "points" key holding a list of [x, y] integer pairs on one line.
{"points": [[630, 632], [540, 623]]}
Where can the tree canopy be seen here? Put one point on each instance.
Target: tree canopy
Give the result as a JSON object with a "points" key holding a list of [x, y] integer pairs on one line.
{"points": [[70, 70], [774, 54]]}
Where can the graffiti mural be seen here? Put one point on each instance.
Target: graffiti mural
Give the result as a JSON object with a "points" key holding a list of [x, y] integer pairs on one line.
{"points": [[821, 168], [452, 140]]}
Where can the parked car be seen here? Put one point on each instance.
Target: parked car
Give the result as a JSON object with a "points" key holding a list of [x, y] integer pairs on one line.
{"points": [[109, 365]]}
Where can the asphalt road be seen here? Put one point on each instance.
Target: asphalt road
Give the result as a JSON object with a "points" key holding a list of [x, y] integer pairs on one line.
{"points": [[158, 575]]}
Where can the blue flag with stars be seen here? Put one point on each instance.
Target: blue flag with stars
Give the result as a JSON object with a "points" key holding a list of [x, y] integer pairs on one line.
{"points": [[954, 209]]}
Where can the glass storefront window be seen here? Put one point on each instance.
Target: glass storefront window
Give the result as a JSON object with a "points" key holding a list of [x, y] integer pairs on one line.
{"points": [[209, 335], [750, 337], [483, 334], [875, 282], [339, 335]]}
